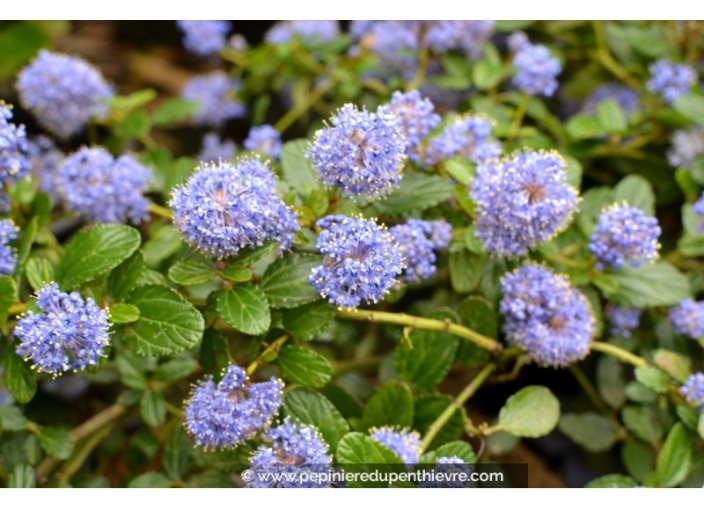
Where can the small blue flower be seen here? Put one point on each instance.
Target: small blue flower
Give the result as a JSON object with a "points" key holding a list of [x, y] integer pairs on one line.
{"points": [[625, 97], [417, 239], [226, 414], [625, 235], [265, 139], [522, 200], [46, 160], [217, 94], [214, 149], [361, 261], [698, 209], [546, 316], [204, 37], [693, 390], [224, 208], [8, 260], [688, 318], [403, 442], [623, 320], [418, 117], [104, 189], [536, 70], [70, 334], [63, 92], [448, 467], [466, 137], [362, 153], [291, 449], [14, 164], [309, 31], [686, 147], [671, 80]]}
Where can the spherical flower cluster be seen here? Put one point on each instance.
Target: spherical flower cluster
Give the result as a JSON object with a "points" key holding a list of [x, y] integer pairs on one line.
{"points": [[698, 209], [688, 318], [70, 334], [362, 153], [309, 31], [105, 189], [8, 232], [625, 235], [295, 449], [546, 316], [63, 92], [625, 97], [448, 466], [623, 320], [686, 147], [536, 70], [671, 80], [418, 117], [403, 442], [224, 208], [522, 200], [417, 239], [361, 261], [693, 390], [265, 139], [466, 137], [13, 149], [46, 159], [204, 37], [216, 92], [226, 414], [214, 149]]}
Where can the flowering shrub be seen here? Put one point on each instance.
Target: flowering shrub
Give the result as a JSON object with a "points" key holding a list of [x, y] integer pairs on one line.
{"points": [[378, 242]]}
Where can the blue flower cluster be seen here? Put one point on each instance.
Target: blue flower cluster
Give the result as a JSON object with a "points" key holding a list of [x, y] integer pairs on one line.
{"points": [[105, 189], [688, 318], [447, 466], [686, 147], [361, 261], [522, 200], [623, 320], [308, 31], [693, 390], [418, 117], [214, 149], [671, 80], [265, 139], [295, 449], [417, 239], [204, 37], [8, 260], [63, 92], [698, 209], [546, 316], [46, 159], [467, 137], [13, 151], [403, 442], [216, 92], [624, 235], [536, 71], [226, 414], [223, 208], [362, 153], [70, 334], [625, 97]]}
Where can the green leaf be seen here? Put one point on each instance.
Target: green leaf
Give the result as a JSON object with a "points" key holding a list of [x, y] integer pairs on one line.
{"points": [[486, 75], [18, 377], [39, 272], [236, 274], [593, 431], [611, 116], [348, 405], [132, 369], [414, 192], [700, 425], [134, 100], [56, 442], [646, 422], [674, 460], [309, 406], [428, 408], [360, 453], [124, 277], [19, 42], [175, 369], [8, 294], [174, 110], [214, 356], [186, 272], [134, 125], [90, 254], [612, 482], [459, 449], [477, 314], [307, 322], [638, 192], [582, 127], [177, 454], [532, 412], [297, 170], [123, 313], [246, 258], [152, 408], [392, 404], [676, 365], [462, 170], [150, 480], [610, 381], [690, 106], [465, 270], [22, 477], [168, 324], [653, 378], [11, 419], [658, 284], [638, 458], [304, 366], [28, 235], [245, 308], [285, 282]]}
